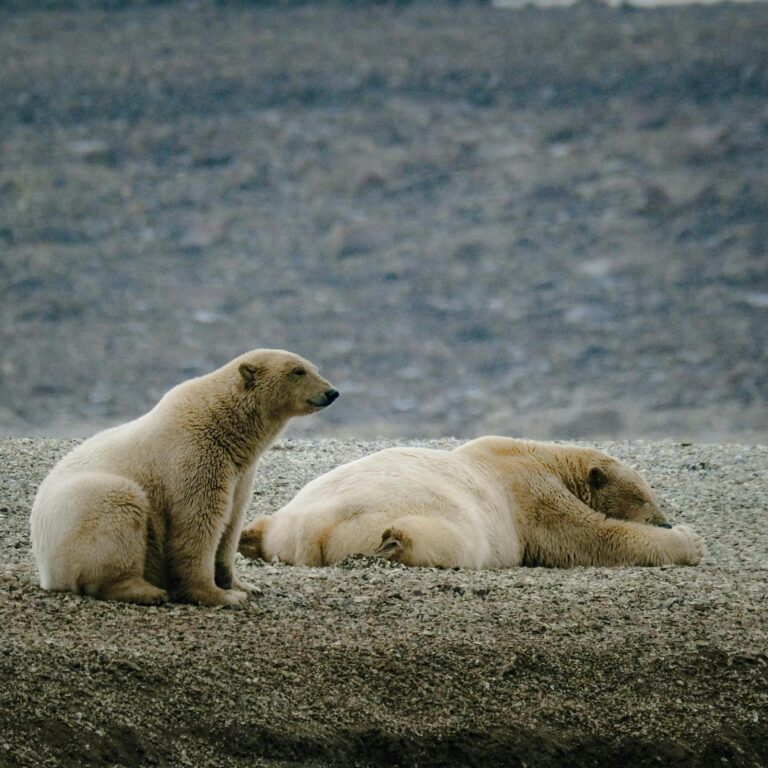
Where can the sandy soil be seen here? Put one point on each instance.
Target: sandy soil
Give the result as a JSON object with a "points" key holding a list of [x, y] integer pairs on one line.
{"points": [[373, 664], [543, 222]]}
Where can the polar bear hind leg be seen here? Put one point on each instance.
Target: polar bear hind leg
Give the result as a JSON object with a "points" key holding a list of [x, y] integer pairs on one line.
{"points": [[134, 589], [101, 548], [252, 538], [421, 540]]}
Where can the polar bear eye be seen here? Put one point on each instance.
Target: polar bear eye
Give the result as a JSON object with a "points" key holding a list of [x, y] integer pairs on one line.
{"points": [[299, 372]]}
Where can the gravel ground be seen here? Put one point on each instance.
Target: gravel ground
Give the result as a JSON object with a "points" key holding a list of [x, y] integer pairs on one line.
{"points": [[549, 222], [375, 664]]}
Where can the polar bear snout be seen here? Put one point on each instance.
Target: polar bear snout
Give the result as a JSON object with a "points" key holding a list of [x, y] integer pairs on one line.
{"points": [[656, 515], [665, 512], [324, 400]]}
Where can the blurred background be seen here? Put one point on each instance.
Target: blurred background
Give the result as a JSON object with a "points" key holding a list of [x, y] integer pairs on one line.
{"points": [[475, 219]]}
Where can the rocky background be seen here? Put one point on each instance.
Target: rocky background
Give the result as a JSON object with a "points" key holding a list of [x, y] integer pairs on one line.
{"points": [[551, 223]]}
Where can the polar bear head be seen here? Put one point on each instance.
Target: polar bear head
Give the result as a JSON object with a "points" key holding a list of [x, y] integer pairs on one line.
{"points": [[283, 384], [618, 491]]}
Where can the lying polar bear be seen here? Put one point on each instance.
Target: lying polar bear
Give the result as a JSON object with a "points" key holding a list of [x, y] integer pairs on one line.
{"points": [[494, 502]]}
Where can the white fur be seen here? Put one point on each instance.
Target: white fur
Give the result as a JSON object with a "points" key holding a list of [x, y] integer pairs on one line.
{"points": [[156, 505], [491, 503]]}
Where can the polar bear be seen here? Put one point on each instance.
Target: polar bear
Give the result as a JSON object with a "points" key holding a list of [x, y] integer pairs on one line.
{"points": [[156, 505], [494, 502]]}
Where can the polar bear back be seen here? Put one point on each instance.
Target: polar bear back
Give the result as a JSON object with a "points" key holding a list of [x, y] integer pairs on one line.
{"points": [[347, 509], [113, 450]]}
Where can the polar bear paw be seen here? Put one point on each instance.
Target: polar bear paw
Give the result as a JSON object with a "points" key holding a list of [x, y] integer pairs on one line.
{"points": [[246, 586], [690, 545], [392, 545], [234, 596], [216, 596]]}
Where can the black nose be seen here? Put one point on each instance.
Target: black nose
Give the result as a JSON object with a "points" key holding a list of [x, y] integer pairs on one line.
{"points": [[331, 395]]}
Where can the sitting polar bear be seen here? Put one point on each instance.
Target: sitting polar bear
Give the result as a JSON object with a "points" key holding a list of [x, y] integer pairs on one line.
{"points": [[494, 502], [157, 504]]}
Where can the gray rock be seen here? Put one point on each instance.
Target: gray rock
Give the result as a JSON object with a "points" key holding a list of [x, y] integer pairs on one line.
{"points": [[355, 238], [93, 151]]}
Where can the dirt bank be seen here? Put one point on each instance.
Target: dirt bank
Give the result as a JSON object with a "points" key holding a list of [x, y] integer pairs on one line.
{"points": [[372, 664]]}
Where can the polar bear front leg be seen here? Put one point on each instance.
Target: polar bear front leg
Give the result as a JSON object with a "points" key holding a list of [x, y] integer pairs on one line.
{"points": [[225, 571], [564, 532], [194, 536]]}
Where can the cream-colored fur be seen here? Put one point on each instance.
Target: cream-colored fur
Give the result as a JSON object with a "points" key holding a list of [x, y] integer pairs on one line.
{"points": [[156, 505], [495, 502]]}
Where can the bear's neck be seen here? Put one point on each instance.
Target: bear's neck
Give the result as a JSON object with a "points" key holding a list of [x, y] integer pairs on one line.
{"points": [[243, 435], [252, 434], [551, 461], [571, 470]]}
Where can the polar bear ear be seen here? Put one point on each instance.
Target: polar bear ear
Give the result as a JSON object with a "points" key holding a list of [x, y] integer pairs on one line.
{"points": [[597, 478], [250, 374]]}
